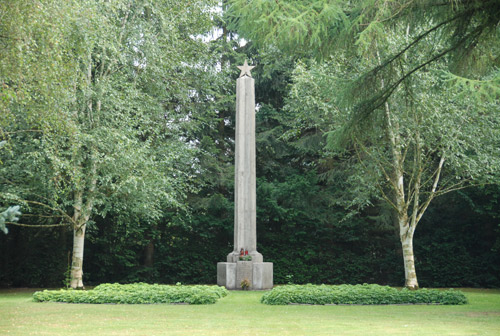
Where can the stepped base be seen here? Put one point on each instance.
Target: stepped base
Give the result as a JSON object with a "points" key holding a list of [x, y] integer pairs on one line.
{"points": [[258, 274]]}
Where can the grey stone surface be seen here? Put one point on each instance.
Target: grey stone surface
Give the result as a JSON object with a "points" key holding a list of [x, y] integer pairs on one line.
{"points": [[259, 274], [244, 271], [226, 275], [262, 275], [235, 256], [245, 229]]}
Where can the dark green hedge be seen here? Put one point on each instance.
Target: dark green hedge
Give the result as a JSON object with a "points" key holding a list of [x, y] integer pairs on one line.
{"points": [[135, 294], [455, 246], [359, 294]]}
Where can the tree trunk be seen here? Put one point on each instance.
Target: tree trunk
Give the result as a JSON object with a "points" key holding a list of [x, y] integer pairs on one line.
{"points": [[149, 254], [401, 207], [409, 261], [80, 218], [400, 198], [77, 260]]}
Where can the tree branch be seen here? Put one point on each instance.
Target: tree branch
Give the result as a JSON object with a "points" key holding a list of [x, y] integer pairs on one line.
{"points": [[63, 214], [37, 226], [378, 186], [433, 191], [380, 100], [41, 216]]}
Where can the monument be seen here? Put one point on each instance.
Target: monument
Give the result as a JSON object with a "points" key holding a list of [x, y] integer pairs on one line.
{"points": [[245, 267]]}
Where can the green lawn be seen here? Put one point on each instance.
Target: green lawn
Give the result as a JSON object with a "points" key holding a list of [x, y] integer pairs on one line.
{"points": [[240, 313]]}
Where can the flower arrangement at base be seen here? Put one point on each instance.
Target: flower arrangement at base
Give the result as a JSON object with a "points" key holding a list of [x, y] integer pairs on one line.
{"points": [[245, 284], [244, 256]]}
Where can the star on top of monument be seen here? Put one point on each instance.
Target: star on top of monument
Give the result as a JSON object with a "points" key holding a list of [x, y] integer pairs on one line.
{"points": [[245, 69]]}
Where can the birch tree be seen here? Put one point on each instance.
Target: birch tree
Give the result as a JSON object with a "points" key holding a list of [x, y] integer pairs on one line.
{"points": [[413, 137], [124, 91], [428, 140]]}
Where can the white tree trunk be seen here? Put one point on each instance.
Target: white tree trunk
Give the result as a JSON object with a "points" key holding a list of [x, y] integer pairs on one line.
{"points": [[409, 261], [77, 260], [80, 218], [402, 200], [401, 203]]}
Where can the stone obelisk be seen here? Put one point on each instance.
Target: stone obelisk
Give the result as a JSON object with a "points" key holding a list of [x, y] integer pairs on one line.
{"points": [[244, 263]]}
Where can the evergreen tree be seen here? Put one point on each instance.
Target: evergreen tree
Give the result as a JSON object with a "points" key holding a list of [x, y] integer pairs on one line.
{"points": [[388, 54]]}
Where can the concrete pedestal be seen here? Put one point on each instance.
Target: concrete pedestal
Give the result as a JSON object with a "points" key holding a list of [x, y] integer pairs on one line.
{"points": [[226, 275], [235, 257], [259, 274]]}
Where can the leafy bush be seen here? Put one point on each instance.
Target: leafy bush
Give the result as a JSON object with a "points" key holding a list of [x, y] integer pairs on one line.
{"points": [[359, 294], [134, 294], [9, 215]]}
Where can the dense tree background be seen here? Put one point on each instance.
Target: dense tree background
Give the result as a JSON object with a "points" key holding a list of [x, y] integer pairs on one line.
{"points": [[164, 202]]}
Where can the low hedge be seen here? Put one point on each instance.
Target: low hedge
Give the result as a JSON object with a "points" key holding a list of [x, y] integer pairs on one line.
{"points": [[135, 294], [359, 294]]}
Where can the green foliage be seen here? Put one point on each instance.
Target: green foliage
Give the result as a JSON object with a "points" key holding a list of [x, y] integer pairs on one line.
{"points": [[163, 139], [425, 140], [9, 215], [301, 26], [96, 97], [463, 32], [138, 293], [359, 294], [456, 245], [467, 235], [486, 89], [34, 258]]}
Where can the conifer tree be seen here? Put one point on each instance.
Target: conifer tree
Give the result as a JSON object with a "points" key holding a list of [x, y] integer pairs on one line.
{"points": [[388, 52]]}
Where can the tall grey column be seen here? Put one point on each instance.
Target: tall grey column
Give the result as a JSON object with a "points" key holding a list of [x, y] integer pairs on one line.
{"points": [[235, 270], [245, 228]]}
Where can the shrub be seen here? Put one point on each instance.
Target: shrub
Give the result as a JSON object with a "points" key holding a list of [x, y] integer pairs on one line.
{"points": [[359, 294], [135, 294]]}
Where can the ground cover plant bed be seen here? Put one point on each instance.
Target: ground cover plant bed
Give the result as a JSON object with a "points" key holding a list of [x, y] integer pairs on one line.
{"points": [[138, 293], [359, 295], [241, 313]]}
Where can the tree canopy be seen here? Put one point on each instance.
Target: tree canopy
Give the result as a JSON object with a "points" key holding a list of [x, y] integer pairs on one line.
{"points": [[467, 31], [383, 97], [117, 139]]}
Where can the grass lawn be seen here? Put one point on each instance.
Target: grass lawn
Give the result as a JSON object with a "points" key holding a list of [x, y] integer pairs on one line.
{"points": [[240, 313]]}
